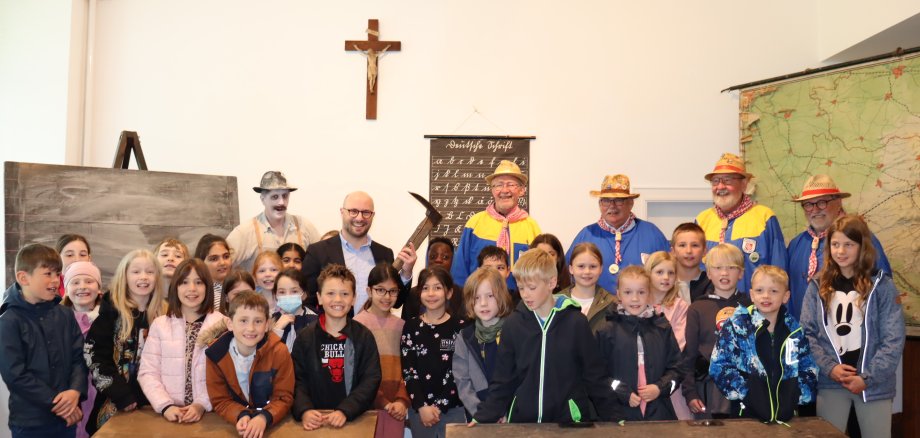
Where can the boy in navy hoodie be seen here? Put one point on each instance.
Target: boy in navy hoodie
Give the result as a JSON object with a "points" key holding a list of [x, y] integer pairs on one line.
{"points": [[555, 383], [42, 360]]}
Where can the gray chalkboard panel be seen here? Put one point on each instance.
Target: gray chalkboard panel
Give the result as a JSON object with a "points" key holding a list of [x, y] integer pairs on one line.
{"points": [[458, 167], [117, 210]]}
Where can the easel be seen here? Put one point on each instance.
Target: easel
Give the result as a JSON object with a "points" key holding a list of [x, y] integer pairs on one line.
{"points": [[129, 141]]}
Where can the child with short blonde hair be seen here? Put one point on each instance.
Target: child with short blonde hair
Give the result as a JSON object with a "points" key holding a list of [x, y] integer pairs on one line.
{"points": [[544, 326], [641, 355], [725, 267], [762, 362]]}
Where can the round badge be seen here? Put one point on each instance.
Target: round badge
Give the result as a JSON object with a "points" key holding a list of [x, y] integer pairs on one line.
{"points": [[614, 269], [754, 257]]}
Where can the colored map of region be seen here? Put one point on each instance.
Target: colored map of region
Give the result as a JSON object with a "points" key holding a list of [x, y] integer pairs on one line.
{"points": [[861, 126]]}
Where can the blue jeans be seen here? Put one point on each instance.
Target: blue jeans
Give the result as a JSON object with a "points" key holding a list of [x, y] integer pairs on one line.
{"points": [[58, 429]]}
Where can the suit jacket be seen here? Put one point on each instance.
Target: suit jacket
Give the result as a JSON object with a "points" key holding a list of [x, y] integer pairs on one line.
{"points": [[328, 251]]}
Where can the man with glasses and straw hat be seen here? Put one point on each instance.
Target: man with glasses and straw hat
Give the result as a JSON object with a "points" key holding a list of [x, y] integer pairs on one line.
{"points": [[272, 227], [822, 202], [503, 224], [737, 220], [622, 238]]}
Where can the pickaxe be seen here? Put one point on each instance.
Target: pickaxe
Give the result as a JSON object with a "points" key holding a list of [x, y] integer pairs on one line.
{"points": [[431, 220]]}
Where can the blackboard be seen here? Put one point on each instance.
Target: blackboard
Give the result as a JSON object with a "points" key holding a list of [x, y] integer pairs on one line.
{"points": [[458, 167], [117, 210]]}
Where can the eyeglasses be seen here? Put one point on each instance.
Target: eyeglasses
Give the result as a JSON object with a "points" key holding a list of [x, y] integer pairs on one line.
{"points": [[822, 204], [726, 268], [507, 185], [381, 292], [619, 202], [353, 212], [727, 180]]}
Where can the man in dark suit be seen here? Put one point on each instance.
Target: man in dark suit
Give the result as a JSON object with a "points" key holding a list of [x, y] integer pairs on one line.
{"points": [[354, 248]]}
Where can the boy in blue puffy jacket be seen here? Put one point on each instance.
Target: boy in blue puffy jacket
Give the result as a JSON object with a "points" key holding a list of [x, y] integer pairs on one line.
{"points": [[762, 362]]}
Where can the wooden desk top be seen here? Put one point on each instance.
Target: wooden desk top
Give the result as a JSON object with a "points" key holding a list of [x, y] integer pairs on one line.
{"points": [[811, 427], [146, 423]]}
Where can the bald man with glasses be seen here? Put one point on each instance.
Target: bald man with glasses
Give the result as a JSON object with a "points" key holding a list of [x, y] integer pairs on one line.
{"points": [[354, 248]]}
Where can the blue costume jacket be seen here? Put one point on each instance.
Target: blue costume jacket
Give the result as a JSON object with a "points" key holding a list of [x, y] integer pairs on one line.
{"points": [[756, 233], [643, 239]]}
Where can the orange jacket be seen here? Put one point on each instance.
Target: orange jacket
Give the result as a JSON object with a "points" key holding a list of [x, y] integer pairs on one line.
{"points": [[271, 380]]}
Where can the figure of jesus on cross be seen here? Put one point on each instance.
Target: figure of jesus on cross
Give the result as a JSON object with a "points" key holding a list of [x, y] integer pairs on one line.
{"points": [[373, 49]]}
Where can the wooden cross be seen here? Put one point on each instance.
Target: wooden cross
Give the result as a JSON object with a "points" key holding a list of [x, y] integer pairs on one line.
{"points": [[372, 49]]}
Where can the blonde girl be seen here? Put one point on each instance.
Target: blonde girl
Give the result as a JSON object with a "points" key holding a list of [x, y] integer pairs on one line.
{"points": [[265, 270], [665, 290], [116, 338]]}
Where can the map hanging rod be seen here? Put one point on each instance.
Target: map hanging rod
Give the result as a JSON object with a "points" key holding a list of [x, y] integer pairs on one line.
{"points": [[810, 71], [486, 137]]}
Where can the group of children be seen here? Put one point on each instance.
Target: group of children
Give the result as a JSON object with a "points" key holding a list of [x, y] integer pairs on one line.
{"points": [[191, 335]]}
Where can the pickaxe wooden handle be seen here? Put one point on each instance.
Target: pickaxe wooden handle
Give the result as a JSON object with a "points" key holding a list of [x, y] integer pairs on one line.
{"points": [[431, 220]]}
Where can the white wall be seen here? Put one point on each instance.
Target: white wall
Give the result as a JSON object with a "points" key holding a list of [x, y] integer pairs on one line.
{"points": [[237, 88]]}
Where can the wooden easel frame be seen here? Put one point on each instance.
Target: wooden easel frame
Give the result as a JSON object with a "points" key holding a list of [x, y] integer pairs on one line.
{"points": [[129, 141]]}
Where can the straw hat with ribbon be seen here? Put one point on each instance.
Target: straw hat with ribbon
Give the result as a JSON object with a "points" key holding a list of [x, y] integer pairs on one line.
{"points": [[820, 185], [729, 164], [506, 167], [614, 186]]}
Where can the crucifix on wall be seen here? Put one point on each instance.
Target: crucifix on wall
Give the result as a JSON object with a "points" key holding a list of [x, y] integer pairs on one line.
{"points": [[372, 49]]}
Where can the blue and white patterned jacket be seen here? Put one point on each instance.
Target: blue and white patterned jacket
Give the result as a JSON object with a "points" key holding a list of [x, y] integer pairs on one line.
{"points": [[738, 371]]}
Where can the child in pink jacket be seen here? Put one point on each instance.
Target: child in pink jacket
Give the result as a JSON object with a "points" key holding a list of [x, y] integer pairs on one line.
{"points": [[172, 369]]}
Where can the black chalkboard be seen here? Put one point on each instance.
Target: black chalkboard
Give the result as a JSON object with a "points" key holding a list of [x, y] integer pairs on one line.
{"points": [[117, 210], [458, 167]]}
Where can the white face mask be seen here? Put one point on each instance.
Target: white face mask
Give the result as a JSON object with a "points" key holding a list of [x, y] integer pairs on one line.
{"points": [[289, 303]]}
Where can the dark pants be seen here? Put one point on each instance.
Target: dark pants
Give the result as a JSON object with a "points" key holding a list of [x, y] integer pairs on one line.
{"points": [[58, 429]]}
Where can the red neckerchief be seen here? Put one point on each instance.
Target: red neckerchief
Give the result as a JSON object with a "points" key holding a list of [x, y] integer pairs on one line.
{"points": [[745, 205], [618, 232], [504, 237]]}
